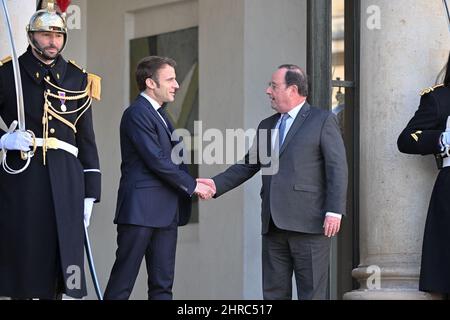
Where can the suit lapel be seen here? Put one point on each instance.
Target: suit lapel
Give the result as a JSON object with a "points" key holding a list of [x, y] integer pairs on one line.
{"points": [[299, 120], [154, 113], [269, 128]]}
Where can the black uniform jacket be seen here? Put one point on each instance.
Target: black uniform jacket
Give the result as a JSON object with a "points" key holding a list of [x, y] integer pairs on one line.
{"points": [[422, 136], [41, 209]]}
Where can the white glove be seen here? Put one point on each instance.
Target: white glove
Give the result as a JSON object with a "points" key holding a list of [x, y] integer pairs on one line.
{"points": [[17, 140], [88, 204], [445, 138]]}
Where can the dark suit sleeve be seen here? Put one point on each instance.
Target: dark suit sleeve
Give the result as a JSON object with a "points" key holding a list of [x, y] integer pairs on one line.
{"points": [[87, 153], [336, 171], [421, 135], [144, 136], [239, 172]]}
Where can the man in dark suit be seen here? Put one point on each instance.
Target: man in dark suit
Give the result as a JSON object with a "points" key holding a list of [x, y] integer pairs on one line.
{"points": [[155, 192], [304, 198]]}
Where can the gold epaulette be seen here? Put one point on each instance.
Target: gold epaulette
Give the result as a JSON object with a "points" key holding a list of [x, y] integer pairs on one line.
{"points": [[430, 89], [94, 82], [5, 60], [74, 63], [95, 86]]}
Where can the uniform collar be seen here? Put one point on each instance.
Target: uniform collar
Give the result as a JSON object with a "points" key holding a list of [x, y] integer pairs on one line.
{"points": [[37, 70]]}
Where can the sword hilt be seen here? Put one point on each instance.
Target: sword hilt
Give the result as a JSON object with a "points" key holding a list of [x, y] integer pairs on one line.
{"points": [[30, 154]]}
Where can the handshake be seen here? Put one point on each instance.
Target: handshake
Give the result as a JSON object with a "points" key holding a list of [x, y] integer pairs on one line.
{"points": [[206, 188]]}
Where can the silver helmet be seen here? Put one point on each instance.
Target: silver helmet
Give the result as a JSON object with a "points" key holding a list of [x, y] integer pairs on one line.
{"points": [[47, 20]]}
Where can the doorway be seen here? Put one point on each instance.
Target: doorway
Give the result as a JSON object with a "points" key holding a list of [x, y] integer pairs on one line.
{"points": [[333, 62]]}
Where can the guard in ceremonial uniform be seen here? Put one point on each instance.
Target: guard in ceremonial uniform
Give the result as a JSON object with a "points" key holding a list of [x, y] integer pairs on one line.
{"points": [[42, 209], [426, 134]]}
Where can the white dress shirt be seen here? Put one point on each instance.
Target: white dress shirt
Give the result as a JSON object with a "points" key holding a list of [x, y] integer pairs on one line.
{"points": [[154, 104]]}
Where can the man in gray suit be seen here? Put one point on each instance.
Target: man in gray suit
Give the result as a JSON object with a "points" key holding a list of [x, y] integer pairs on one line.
{"points": [[304, 199]]}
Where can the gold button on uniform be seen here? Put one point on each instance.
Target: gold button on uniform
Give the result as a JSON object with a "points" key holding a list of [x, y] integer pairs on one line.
{"points": [[52, 131], [50, 118]]}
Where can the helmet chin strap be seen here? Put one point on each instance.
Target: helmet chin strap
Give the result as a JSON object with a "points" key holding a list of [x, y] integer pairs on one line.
{"points": [[41, 52]]}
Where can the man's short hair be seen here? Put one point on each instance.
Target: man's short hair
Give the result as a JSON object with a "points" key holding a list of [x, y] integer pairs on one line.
{"points": [[296, 76], [148, 67]]}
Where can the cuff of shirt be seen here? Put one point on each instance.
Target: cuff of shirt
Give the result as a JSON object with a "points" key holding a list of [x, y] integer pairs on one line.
{"points": [[334, 215]]}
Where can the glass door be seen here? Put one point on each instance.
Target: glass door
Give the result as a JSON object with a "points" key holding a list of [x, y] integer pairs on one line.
{"points": [[333, 66]]}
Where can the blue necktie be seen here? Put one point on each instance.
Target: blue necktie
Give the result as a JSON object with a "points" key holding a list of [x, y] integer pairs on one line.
{"points": [[281, 129]]}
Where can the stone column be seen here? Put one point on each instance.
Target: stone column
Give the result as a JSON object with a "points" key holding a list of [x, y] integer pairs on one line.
{"points": [[404, 46]]}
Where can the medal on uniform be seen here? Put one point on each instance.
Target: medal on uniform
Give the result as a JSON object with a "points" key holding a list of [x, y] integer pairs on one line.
{"points": [[62, 96]]}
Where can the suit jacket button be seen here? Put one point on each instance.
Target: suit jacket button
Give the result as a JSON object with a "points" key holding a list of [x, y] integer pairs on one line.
{"points": [[52, 131]]}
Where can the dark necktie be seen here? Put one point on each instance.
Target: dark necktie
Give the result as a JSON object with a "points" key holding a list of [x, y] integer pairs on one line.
{"points": [[162, 112], [175, 138]]}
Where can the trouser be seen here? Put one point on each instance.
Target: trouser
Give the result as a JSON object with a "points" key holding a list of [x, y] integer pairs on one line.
{"points": [[158, 245], [305, 255]]}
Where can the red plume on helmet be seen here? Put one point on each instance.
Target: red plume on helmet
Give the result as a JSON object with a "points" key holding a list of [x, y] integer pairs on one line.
{"points": [[63, 5]]}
